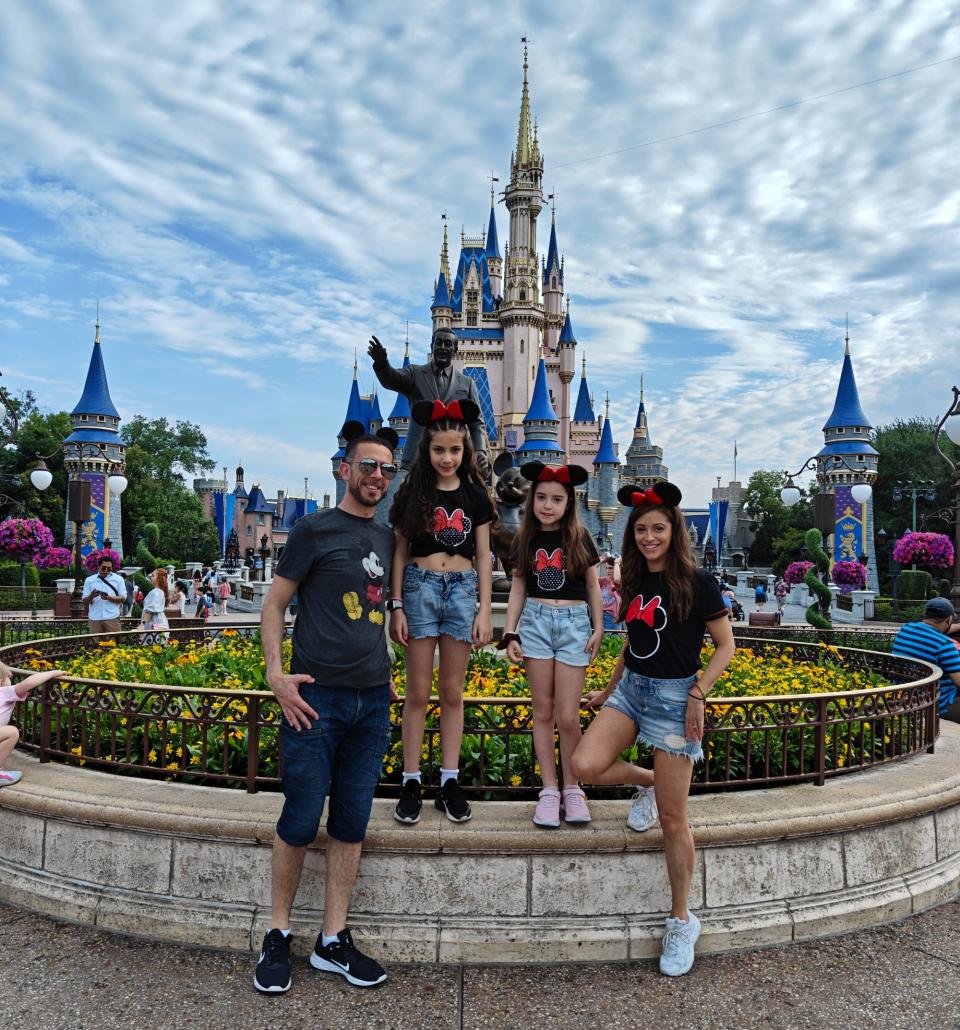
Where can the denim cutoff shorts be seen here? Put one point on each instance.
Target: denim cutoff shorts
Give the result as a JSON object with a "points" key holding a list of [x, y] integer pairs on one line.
{"points": [[659, 708], [547, 631], [437, 603], [340, 755]]}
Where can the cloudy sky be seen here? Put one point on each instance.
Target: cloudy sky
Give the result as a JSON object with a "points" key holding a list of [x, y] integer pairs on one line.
{"points": [[251, 190]]}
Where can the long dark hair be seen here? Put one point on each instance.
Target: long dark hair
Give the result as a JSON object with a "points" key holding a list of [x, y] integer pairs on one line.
{"points": [[678, 571], [413, 504], [572, 536]]}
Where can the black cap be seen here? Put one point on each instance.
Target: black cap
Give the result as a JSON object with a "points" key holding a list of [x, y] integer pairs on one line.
{"points": [[939, 607]]}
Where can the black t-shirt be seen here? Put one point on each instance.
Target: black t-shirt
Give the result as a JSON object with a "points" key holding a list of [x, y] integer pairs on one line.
{"points": [[455, 518], [658, 645], [340, 563], [548, 576]]}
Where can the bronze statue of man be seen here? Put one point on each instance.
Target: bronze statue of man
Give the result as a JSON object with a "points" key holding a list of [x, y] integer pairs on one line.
{"points": [[435, 379]]}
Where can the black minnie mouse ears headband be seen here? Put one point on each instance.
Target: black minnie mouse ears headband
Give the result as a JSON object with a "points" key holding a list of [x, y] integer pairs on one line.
{"points": [[425, 413], [660, 495], [352, 429], [537, 472]]}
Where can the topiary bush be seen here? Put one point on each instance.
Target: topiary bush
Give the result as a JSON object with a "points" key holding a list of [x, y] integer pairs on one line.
{"points": [[818, 614], [915, 585], [10, 574]]}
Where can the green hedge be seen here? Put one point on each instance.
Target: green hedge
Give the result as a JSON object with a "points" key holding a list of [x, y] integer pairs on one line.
{"points": [[10, 573], [915, 585]]}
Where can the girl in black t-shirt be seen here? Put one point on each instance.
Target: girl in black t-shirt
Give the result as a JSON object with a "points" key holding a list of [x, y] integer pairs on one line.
{"points": [[441, 516], [654, 694], [554, 625]]}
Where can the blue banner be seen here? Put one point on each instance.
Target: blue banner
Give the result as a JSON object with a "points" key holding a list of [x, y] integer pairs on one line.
{"points": [[223, 505], [848, 524]]}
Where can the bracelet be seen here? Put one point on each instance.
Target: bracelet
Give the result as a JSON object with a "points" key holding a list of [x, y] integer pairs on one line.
{"points": [[700, 697], [508, 638]]}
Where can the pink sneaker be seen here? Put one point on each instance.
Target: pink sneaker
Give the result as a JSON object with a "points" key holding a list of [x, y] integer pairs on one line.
{"points": [[548, 808], [575, 806], [11, 776]]}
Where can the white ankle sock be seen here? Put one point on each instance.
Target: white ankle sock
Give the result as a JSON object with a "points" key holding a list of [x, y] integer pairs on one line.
{"points": [[328, 939], [448, 774], [411, 776]]}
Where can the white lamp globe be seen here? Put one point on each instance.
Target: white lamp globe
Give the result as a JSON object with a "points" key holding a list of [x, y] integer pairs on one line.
{"points": [[41, 478], [861, 493], [952, 428], [789, 495], [117, 484]]}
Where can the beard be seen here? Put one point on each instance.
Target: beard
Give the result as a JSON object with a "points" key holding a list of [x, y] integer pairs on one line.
{"points": [[355, 489]]}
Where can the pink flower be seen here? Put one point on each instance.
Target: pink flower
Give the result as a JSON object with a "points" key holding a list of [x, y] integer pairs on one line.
{"points": [[849, 573], [796, 571], [55, 558], [24, 538], [94, 558], [935, 550]]}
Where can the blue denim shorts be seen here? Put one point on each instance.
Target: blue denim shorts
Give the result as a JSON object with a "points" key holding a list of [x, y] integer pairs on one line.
{"points": [[341, 755], [438, 603], [547, 631], [659, 708]]}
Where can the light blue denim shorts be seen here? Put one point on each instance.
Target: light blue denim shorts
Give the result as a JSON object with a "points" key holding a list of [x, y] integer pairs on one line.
{"points": [[547, 631], [439, 603], [659, 708]]}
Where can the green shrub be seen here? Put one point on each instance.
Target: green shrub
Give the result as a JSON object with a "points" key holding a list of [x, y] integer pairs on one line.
{"points": [[49, 577], [945, 587], [10, 574], [915, 585]]}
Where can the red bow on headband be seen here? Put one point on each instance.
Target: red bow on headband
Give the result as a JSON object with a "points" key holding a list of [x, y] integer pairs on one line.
{"points": [[442, 411], [546, 561], [442, 521], [645, 497], [550, 475], [641, 611]]}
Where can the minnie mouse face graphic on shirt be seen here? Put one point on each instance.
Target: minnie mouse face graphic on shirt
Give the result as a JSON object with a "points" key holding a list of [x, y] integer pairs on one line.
{"points": [[645, 620], [451, 529], [549, 569]]}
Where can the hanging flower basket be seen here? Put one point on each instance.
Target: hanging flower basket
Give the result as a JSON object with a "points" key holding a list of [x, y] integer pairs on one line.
{"points": [[933, 550], [94, 558], [55, 558], [24, 539], [849, 575], [796, 571]]}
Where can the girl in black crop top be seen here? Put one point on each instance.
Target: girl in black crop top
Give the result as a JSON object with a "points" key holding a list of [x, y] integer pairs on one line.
{"points": [[554, 626], [440, 590]]}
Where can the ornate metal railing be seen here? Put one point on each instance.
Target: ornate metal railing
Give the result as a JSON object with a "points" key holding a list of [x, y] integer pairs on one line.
{"points": [[231, 737], [13, 631]]}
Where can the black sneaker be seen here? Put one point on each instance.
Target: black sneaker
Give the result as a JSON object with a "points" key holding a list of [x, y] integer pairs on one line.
{"points": [[343, 958], [409, 805], [273, 969], [453, 802]]}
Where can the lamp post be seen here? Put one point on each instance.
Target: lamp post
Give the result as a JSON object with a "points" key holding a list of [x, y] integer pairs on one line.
{"points": [[922, 488], [78, 499], [861, 490], [950, 424]]}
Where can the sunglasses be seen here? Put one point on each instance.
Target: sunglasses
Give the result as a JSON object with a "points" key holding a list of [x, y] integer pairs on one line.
{"points": [[388, 469]]}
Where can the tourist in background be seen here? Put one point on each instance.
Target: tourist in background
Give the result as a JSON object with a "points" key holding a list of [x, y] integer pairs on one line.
{"points": [[104, 594], [929, 640], [760, 596], [154, 617], [609, 576], [441, 516], [223, 590], [780, 591], [655, 696], [554, 625]]}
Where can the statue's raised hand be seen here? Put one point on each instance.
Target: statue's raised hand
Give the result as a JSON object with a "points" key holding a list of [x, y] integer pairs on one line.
{"points": [[377, 351]]}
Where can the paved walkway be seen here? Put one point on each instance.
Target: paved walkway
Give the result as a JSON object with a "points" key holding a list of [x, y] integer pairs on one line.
{"points": [[904, 975]]}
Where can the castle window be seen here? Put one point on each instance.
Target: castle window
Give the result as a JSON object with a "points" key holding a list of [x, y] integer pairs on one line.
{"points": [[249, 530], [259, 520], [523, 294], [101, 418], [472, 296], [553, 282], [521, 346], [840, 432], [471, 318]]}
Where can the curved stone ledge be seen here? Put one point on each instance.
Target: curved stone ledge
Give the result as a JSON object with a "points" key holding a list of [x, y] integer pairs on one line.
{"points": [[192, 864]]}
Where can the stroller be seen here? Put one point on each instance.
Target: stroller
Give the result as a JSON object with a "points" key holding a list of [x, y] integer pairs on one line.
{"points": [[736, 609]]}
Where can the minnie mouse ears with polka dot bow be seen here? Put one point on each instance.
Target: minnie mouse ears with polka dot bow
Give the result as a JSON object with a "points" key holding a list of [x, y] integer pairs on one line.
{"points": [[352, 429], [537, 472], [425, 413], [660, 495]]}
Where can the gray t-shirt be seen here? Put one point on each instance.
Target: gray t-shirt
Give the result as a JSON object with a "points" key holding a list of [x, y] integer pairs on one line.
{"points": [[341, 564]]}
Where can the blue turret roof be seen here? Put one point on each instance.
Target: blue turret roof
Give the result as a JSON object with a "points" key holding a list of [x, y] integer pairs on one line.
{"points": [[402, 407], [566, 335], [95, 399], [584, 409], [640, 413], [257, 504], [493, 244], [553, 256], [541, 410], [442, 297], [375, 415], [354, 407], [846, 408], [469, 256], [606, 454]]}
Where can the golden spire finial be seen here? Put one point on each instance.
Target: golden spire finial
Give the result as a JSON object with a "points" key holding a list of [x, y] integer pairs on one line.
{"points": [[524, 144]]}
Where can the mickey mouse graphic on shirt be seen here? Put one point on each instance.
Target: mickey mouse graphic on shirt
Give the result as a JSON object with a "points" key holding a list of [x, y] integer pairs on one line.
{"points": [[645, 621], [451, 529], [373, 596]]}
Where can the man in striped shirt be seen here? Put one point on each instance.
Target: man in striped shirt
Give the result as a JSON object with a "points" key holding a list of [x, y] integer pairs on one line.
{"points": [[928, 640]]}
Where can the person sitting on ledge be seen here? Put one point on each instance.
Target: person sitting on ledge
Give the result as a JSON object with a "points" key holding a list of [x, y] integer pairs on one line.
{"points": [[335, 702], [654, 695], [928, 640], [9, 696]]}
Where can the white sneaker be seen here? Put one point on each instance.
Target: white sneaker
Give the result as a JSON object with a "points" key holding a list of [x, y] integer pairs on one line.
{"points": [[677, 955], [643, 814]]}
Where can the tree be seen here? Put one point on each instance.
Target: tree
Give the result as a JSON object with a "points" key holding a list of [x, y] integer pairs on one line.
{"points": [[770, 517], [40, 433], [159, 457]]}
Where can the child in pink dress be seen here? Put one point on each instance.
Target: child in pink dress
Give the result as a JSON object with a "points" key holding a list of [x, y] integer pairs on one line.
{"points": [[9, 696]]}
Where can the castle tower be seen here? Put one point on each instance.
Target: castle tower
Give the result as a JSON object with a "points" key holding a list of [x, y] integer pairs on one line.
{"points": [[354, 413], [552, 290], [95, 420], [441, 311], [494, 260], [606, 464], [847, 435], [521, 313], [567, 355], [541, 427], [644, 462], [584, 430]]}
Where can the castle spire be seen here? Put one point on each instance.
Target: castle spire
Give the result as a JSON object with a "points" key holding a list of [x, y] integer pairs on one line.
{"points": [[95, 399], [847, 410], [445, 253], [524, 149]]}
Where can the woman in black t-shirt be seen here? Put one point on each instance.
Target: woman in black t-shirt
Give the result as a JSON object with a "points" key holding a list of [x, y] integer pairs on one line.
{"points": [[441, 516], [554, 625], [654, 694]]}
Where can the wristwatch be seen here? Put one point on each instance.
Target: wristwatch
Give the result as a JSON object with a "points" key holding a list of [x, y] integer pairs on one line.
{"points": [[394, 604]]}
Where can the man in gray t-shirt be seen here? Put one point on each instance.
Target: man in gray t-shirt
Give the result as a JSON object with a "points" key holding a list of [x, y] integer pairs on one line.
{"points": [[336, 706]]}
